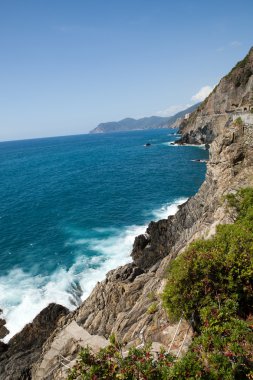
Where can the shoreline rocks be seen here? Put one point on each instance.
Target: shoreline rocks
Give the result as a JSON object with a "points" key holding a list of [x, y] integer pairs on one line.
{"points": [[121, 303], [24, 349], [3, 330]]}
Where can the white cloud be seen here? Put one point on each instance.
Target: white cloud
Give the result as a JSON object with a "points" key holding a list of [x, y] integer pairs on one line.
{"points": [[172, 110], [235, 43], [198, 97], [202, 94]]}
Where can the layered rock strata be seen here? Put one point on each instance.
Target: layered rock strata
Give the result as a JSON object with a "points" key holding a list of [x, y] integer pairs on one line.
{"points": [[25, 348], [128, 301]]}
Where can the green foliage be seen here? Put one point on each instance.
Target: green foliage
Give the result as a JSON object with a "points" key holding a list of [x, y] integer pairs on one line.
{"points": [[152, 296], [110, 363], [238, 122], [211, 285], [218, 269], [152, 308], [242, 201], [223, 350]]}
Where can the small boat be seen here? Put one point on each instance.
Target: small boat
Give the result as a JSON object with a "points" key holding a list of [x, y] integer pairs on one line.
{"points": [[147, 144]]}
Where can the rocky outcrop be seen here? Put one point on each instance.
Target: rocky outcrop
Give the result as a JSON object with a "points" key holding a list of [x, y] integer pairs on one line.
{"points": [[67, 341], [128, 301], [121, 303], [3, 330], [25, 347], [233, 94]]}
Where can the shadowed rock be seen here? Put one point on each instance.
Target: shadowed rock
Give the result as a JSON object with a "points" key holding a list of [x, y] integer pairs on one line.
{"points": [[24, 348], [3, 330]]}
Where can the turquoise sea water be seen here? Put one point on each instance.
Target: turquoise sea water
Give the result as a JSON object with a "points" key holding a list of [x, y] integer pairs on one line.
{"points": [[71, 206]]}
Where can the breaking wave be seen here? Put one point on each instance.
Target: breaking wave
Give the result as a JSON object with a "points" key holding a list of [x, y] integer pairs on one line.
{"points": [[109, 248]]}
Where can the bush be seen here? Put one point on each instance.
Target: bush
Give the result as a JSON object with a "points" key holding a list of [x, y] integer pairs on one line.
{"points": [[211, 285], [217, 269], [238, 122], [110, 363], [152, 308], [223, 350]]}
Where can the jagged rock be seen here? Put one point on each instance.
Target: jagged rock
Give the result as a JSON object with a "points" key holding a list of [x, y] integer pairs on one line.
{"points": [[24, 348], [66, 342], [122, 302], [3, 330], [234, 94]]}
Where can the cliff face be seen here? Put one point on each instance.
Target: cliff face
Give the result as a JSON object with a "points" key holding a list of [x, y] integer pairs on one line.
{"points": [[234, 94], [127, 302], [24, 349]]}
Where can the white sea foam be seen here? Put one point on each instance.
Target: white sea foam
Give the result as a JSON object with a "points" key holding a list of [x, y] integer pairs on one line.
{"points": [[23, 296], [174, 144], [168, 209]]}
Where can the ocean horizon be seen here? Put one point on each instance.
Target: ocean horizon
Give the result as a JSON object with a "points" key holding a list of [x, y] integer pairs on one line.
{"points": [[71, 207]]}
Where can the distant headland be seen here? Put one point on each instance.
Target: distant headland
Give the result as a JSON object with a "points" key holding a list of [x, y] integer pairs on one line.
{"points": [[152, 122]]}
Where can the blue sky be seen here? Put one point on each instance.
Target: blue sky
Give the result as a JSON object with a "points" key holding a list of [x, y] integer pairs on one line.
{"points": [[66, 66]]}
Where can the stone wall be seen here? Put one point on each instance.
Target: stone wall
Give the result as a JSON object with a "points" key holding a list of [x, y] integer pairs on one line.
{"points": [[247, 118]]}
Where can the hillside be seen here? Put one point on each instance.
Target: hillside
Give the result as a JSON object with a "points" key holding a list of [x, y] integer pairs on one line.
{"points": [[123, 303], [151, 122], [232, 96]]}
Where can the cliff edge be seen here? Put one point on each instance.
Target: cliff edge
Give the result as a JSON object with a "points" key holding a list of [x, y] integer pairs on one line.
{"points": [[127, 302]]}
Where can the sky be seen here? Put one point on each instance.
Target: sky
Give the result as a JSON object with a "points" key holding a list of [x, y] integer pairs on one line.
{"points": [[67, 65]]}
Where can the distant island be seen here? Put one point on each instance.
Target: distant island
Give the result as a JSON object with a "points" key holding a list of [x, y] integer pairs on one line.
{"points": [[152, 122]]}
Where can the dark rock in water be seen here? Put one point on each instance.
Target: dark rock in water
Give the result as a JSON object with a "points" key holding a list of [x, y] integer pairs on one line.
{"points": [[3, 330], [199, 160], [24, 348]]}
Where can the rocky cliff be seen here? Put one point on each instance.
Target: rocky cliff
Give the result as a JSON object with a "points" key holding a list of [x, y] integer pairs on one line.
{"points": [[127, 302], [232, 95]]}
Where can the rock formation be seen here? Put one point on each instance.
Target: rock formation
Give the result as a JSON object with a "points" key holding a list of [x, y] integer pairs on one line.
{"points": [[232, 95], [3, 330], [25, 347], [128, 301]]}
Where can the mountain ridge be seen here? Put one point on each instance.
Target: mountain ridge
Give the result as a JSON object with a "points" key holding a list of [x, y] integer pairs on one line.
{"points": [[150, 122]]}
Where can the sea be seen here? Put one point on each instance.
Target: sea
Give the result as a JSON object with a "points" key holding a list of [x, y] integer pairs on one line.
{"points": [[71, 207]]}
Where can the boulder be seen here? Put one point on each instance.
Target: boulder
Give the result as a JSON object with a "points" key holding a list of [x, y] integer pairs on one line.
{"points": [[24, 348]]}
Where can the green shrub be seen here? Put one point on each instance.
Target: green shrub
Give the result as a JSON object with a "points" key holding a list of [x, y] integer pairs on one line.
{"points": [[217, 269], [211, 285], [110, 363], [238, 122], [223, 350], [152, 308], [152, 296]]}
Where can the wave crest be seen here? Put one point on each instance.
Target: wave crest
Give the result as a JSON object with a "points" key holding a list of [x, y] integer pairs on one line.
{"points": [[23, 296]]}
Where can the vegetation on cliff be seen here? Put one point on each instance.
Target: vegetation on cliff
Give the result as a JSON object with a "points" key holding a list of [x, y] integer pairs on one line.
{"points": [[211, 285]]}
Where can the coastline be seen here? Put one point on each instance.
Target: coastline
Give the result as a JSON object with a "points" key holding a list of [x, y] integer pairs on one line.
{"points": [[125, 239]]}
